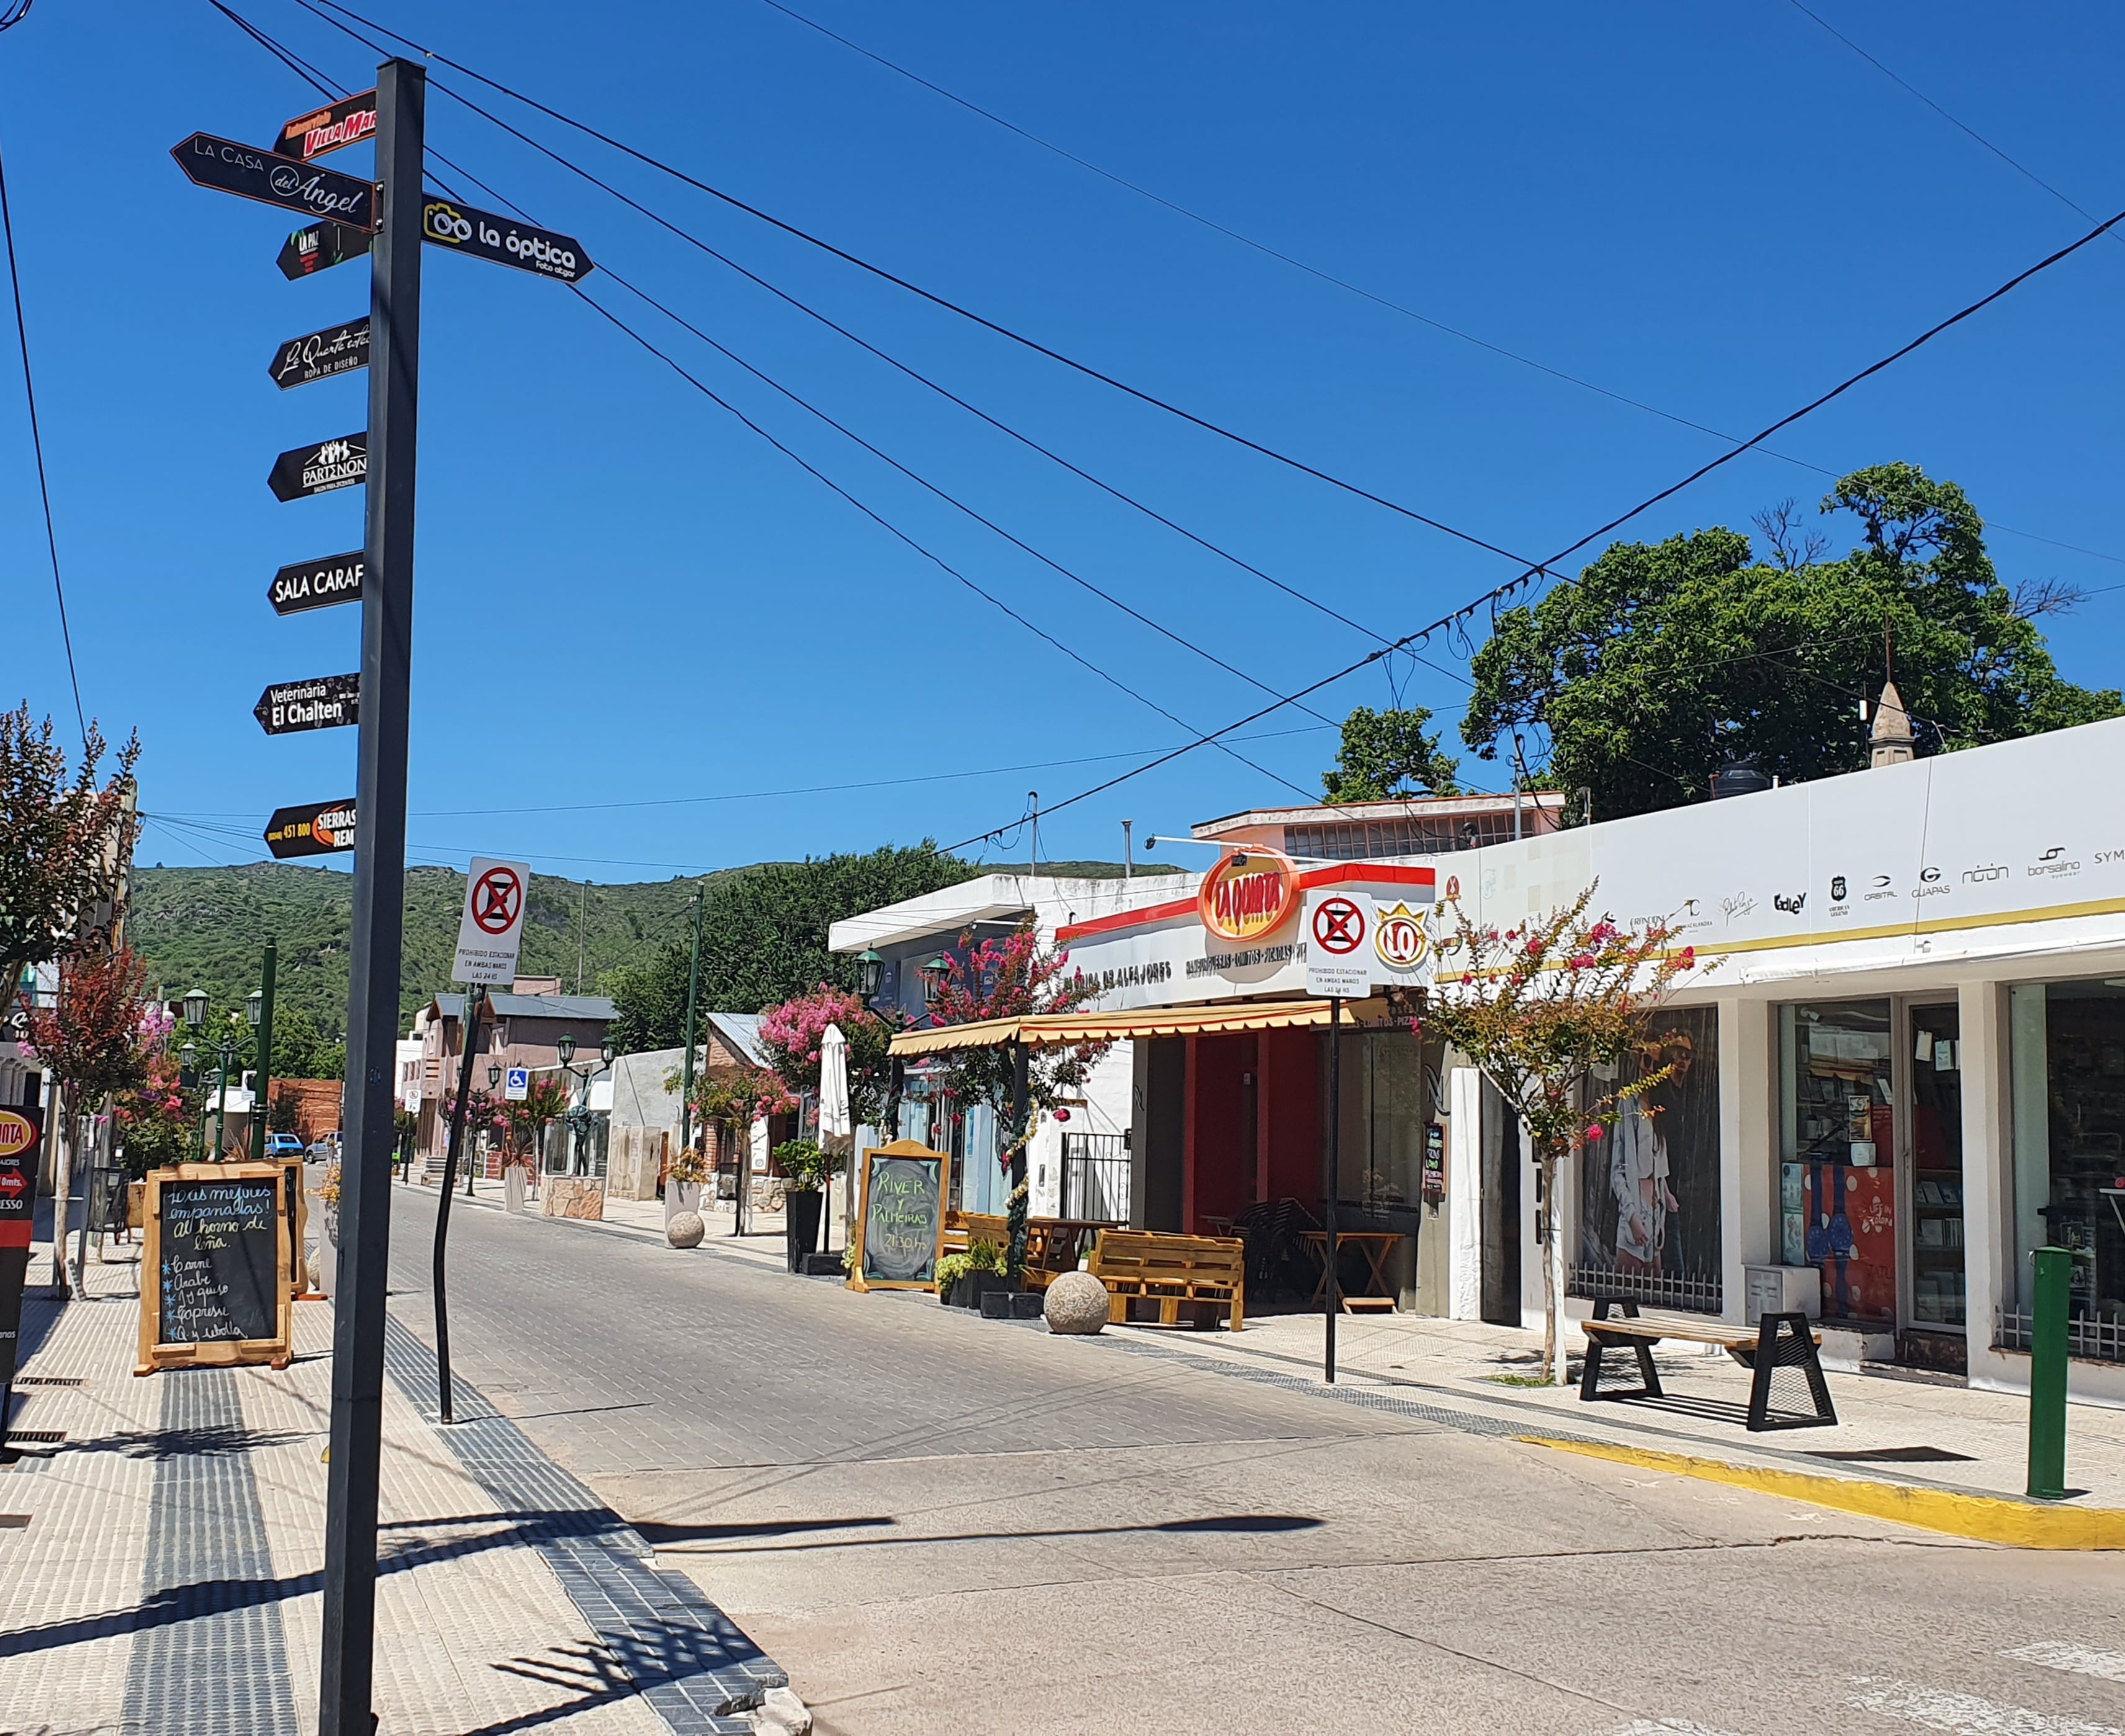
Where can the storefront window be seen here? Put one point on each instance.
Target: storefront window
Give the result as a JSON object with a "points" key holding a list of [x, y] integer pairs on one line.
{"points": [[1837, 1190], [1937, 1275], [2069, 1108], [1387, 1078], [1649, 1194]]}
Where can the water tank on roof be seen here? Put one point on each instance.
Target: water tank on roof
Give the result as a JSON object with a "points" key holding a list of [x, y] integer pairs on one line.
{"points": [[1739, 778]]}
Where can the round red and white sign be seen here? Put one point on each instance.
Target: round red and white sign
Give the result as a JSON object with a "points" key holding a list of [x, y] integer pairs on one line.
{"points": [[497, 899], [1400, 939], [1339, 925]]}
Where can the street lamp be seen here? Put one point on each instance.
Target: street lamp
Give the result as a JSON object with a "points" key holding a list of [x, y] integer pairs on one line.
{"points": [[565, 1049], [870, 973], [254, 1005], [579, 1116], [188, 1056], [195, 1007], [493, 1075], [933, 976]]}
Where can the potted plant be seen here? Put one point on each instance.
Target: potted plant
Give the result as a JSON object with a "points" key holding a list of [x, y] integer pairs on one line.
{"points": [[806, 1170], [683, 1177], [963, 1279]]}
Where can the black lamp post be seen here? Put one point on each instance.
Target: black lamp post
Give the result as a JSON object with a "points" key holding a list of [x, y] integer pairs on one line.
{"points": [[579, 1115], [870, 974]]}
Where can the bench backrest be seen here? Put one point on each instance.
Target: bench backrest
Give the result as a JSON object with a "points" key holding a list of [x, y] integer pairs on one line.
{"points": [[1151, 1253]]}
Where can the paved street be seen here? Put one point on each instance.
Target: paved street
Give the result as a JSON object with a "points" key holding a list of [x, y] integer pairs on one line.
{"points": [[936, 1522]]}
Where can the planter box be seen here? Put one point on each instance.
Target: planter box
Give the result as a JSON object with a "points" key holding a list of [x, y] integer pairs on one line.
{"points": [[573, 1196], [1004, 1303], [513, 1189], [974, 1289], [681, 1197], [800, 1225]]}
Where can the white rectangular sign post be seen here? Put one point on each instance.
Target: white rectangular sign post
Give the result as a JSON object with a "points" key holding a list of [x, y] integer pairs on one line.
{"points": [[491, 927], [516, 1085], [1338, 937]]}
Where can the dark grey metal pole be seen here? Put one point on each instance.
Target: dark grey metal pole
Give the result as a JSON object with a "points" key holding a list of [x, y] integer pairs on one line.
{"points": [[262, 1095], [471, 1042], [1332, 1295], [380, 889], [686, 1063]]}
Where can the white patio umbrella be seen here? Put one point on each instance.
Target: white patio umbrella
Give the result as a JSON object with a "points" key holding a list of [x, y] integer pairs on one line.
{"points": [[835, 1132]]}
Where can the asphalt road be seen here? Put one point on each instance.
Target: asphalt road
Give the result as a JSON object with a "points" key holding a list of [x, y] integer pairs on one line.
{"points": [[941, 1524]]}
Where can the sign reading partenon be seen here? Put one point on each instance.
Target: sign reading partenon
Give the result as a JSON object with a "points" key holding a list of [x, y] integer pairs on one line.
{"points": [[316, 829], [319, 248], [504, 241], [319, 469], [244, 169], [320, 354], [325, 702], [317, 584], [333, 127]]}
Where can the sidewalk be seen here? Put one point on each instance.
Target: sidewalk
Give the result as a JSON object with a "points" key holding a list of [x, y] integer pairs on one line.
{"points": [[162, 1549]]}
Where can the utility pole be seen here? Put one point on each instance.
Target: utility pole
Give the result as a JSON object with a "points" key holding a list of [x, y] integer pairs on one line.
{"points": [[582, 912], [469, 1024], [693, 999], [262, 1074], [1128, 851], [349, 1643]]}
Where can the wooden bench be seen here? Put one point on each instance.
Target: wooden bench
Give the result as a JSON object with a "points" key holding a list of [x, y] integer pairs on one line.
{"points": [[1777, 1341], [1054, 1245], [1150, 1276]]}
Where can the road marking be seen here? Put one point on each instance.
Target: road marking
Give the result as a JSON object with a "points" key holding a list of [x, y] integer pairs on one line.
{"points": [[1964, 1714], [2063, 1654]]}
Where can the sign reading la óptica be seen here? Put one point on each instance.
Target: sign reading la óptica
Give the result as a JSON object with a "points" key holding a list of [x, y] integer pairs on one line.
{"points": [[504, 241], [318, 829], [328, 702], [317, 584], [319, 469], [320, 354]]}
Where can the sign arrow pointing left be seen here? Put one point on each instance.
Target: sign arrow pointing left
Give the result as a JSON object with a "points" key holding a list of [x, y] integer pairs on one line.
{"points": [[226, 167]]}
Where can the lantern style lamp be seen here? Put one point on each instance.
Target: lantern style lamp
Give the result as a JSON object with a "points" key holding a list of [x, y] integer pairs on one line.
{"points": [[933, 976], [606, 1050], [188, 1056], [194, 1008], [254, 1006], [870, 972], [493, 1075], [565, 1049]]}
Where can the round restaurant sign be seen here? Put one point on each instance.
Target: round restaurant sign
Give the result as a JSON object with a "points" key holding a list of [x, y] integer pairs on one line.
{"points": [[18, 1133], [1251, 893]]}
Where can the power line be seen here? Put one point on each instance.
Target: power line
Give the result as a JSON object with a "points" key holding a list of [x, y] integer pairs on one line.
{"points": [[36, 432]]}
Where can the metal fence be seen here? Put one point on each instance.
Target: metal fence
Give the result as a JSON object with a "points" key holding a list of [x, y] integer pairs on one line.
{"points": [[1697, 1292], [1096, 1178], [2094, 1341]]}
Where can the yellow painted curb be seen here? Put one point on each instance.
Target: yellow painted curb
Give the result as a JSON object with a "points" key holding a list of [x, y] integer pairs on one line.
{"points": [[1983, 1518]]}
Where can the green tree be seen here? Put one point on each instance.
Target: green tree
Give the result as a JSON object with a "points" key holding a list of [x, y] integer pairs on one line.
{"points": [[1386, 753], [764, 938], [1666, 660]]}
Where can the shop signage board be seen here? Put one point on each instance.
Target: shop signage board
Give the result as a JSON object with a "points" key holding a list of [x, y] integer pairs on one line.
{"points": [[307, 471], [332, 128], [1339, 929], [900, 1217], [320, 247], [503, 241], [217, 1268], [1250, 894], [315, 829], [21, 1132], [491, 926], [226, 167], [325, 702], [515, 1084], [320, 355], [317, 584]]}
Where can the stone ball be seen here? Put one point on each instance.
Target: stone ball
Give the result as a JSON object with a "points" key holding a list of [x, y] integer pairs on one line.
{"points": [[685, 1229], [1076, 1302], [314, 1268]]}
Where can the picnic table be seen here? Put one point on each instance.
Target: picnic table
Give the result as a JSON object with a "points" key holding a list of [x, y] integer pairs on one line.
{"points": [[1377, 1245]]}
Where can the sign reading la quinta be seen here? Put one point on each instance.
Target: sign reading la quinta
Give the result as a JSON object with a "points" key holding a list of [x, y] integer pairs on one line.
{"points": [[1252, 892]]}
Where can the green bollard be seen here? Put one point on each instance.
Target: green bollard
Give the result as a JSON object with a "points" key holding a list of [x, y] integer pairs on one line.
{"points": [[2054, 1279]]}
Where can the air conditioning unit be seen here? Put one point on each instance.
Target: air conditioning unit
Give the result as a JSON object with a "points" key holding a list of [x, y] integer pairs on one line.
{"points": [[1783, 1290]]}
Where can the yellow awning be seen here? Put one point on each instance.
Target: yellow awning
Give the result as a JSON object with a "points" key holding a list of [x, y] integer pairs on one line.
{"points": [[1056, 1030]]}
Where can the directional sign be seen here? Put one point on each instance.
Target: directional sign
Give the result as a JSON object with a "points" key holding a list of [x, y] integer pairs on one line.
{"points": [[319, 248], [250, 173], [329, 702], [319, 469], [504, 241], [348, 121], [317, 584], [516, 1085], [318, 829], [491, 927], [320, 354]]}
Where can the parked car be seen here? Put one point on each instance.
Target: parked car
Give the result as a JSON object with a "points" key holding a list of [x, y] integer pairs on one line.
{"points": [[326, 1150], [283, 1145]]}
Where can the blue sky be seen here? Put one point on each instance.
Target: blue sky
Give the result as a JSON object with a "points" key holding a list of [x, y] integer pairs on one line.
{"points": [[626, 597]]}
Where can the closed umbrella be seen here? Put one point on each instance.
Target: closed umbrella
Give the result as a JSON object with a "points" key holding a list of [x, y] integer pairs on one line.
{"points": [[836, 1133]]}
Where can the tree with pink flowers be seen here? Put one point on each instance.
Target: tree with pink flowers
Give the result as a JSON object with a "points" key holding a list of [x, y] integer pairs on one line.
{"points": [[1559, 1015], [792, 1034]]}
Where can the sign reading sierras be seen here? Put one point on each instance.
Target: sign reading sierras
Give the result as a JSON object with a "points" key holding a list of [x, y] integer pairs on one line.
{"points": [[318, 829], [319, 248], [325, 702], [317, 584], [337, 125], [319, 469], [504, 241], [320, 354], [244, 169]]}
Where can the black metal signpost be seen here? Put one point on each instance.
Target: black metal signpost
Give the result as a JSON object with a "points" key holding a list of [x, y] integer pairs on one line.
{"points": [[250, 173], [320, 247], [320, 354], [313, 829], [326, 702], [311, 470], [504, 241], [316, 584]]}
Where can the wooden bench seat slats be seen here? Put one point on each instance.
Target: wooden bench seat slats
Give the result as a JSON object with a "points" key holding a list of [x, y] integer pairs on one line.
{"points": [[1169, 1272], [1778, 1341]]}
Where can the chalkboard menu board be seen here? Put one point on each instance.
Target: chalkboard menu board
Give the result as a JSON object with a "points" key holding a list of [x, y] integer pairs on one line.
{"points": [[900, 1224], [216, 1273]]}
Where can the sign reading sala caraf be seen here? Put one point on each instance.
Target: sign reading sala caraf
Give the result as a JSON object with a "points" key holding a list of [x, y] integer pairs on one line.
{"points": [[317, 584]]}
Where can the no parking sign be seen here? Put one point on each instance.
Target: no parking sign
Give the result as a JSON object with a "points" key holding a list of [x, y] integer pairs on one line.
{"points": [[491, 927]]}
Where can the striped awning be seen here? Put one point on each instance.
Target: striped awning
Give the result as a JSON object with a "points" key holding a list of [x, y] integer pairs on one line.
{"points": [[1059, 1030]]}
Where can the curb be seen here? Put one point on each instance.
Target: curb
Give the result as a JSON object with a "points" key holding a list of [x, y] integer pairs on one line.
{"points": [[1981, 1518]]}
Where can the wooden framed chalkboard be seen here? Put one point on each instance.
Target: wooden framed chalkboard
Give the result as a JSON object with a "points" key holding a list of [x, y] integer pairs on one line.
{"points": [[900, 1217], [217, 1272]]}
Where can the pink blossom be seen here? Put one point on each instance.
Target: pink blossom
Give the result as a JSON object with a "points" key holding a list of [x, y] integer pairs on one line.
{"points": [[1594, 1133], [1689, 958], [1583, 961], [1467, 976]]}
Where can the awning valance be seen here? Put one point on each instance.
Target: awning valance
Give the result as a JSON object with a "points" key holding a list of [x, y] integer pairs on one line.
{"points": [[1056, 1030]]}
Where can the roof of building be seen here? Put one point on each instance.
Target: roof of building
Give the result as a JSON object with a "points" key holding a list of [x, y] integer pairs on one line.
{"points": [[994, 898], [533, 1006], [742, 1031], [1402, 807]]}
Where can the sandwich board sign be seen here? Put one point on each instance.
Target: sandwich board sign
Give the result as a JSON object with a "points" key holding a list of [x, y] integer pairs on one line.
{"points": [[492, 927]]}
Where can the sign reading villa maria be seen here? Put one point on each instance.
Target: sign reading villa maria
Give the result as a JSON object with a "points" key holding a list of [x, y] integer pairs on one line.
{"points": [[319, 469]]}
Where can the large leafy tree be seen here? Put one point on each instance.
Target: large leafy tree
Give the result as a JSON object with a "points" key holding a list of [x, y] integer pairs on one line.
{"points": [[1385, 753], [1663, 661], [65, 839], [764, 937]]}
